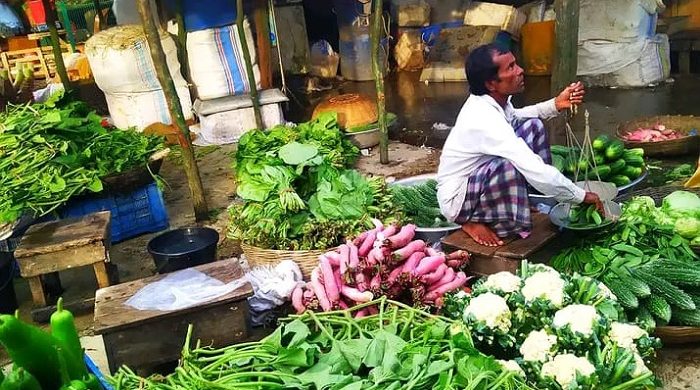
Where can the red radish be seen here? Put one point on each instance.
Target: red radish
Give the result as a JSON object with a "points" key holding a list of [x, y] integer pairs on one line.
{"points": [[354, 259], [366, 246], [439, 302], [333, 258], [319, 290], [394, 274], [429, 264], [430, 251], [344, 259], [297, 296], [361, 238], [402, 238], [458, 255], [435, 275], [355, 295], [373, 310], [329, 281], [371, 260], [405, 252], [378, 225], [361, 282], [338, 279], [389, 231], [343, 305], [412, 262], [376, 282], [458, 282], [446, 278], [361, 313], [454, 263]]}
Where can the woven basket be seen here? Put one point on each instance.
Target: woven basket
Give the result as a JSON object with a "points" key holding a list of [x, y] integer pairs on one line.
{"points": [[307, 260], [675, 147], [678, 334]]}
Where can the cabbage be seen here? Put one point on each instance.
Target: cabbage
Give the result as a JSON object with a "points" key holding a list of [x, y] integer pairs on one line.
{"points": [[696, 241], [687, 227], [681, 204]]}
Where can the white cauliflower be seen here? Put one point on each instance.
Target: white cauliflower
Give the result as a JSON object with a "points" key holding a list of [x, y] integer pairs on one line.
{"points": [[639, 367], [547, 285], [490, 309], [580, 318], [563, 368], [511, 365], [537, 346], [605, 291], [624, 335], [503, 281]]}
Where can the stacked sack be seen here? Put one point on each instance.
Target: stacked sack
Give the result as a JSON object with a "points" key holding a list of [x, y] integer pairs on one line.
{"points": [[121, 63]]}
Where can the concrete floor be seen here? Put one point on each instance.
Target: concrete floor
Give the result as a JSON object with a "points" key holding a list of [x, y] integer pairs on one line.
{"points": [[418, 106]]}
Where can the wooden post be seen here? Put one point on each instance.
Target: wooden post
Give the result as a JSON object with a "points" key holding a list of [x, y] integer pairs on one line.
{"points": [[56, 44], [378, 70], [166, 81], [100, 16], [248, 64], [566, 50], [182, 41], [262, 28]]}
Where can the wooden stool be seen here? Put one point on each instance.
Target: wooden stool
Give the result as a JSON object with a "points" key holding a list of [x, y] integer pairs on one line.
{"points": [[59, 245], [146, 339], [487, 260]]}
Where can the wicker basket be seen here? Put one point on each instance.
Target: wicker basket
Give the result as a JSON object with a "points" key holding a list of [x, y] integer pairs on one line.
{"points": [[678, 334], [675, 147], [307, 260], [353, 110]]}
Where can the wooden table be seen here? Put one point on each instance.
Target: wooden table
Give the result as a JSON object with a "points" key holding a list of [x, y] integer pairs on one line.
{"points": [[490, 260], [60, 245], [145, 339]]}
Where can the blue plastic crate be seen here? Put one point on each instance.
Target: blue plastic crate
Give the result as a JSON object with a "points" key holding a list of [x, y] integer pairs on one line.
{"points": [[141, 211], [94, 370]]}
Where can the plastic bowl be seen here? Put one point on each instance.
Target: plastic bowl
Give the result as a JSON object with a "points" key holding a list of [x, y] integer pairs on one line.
{"points": [[183, 248]]}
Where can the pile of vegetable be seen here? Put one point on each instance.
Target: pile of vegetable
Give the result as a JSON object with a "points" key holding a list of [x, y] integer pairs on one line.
{"points": [[556, 331], [384, 261], [656, 133], [584, 216], [52, 151], [297, 191], [645, 260], [42, 360], [419, 204], [397, 348], [608, 160]]}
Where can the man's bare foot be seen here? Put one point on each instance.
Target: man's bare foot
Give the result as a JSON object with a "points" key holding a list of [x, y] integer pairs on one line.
{"points": [[482, 234]]}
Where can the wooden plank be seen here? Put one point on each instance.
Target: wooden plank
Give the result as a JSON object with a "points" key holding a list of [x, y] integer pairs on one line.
{"points": [[489, 265], [61, 260], [43, 315], [461, 240], [111, 312], [149, 345], [543, 231], [566, 48], [101, 274], [56, 236], [37, 289], [262, 39]]}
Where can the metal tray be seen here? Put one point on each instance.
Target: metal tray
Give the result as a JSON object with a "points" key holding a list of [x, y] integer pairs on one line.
{"points": [[560, 213], [426, 234]]}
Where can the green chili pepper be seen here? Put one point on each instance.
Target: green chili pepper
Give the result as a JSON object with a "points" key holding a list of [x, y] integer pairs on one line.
{"points": [[32, 349], [20, 379], [66, 335]]}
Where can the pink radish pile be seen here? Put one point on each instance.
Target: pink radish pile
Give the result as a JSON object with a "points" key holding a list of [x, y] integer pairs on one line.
{"points": [[657, 133], [384, 261]]}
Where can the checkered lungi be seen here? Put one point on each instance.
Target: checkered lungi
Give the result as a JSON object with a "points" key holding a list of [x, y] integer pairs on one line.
{"points": [[497, 192]]}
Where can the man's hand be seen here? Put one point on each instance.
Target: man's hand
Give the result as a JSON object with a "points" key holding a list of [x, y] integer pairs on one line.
{"points": [[593, 198], [570, 96]]}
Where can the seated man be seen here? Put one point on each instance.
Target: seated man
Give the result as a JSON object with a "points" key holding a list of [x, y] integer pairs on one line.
{"points": [[494, 151]]}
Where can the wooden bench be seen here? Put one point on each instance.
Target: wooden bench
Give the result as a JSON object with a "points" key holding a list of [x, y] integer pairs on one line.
{"points": [[490, 260], [146, 339], [55, 246]]}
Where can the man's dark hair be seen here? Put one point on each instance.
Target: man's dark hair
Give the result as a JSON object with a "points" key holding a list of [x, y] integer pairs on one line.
{"points": [[481, 68]]}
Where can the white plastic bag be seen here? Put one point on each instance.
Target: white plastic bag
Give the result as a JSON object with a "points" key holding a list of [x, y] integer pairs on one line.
{"points": [[182, 289], [272, 286]]}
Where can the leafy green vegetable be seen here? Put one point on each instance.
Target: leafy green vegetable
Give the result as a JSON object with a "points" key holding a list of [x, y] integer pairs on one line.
{"points": [[297, 192], [419, 203], [52, 151], [681, 204], [688, 227]]}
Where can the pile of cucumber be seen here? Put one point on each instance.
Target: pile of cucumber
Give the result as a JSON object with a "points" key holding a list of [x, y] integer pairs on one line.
{"points": [[611, 161], [584, 216]]}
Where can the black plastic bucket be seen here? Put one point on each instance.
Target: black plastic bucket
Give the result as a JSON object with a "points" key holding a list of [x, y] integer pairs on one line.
{"points": [[183, 248], [8, 299]]}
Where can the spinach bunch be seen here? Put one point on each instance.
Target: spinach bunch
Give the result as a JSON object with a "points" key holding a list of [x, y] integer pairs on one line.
{"points": [[53, 151], [296, 189]]}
